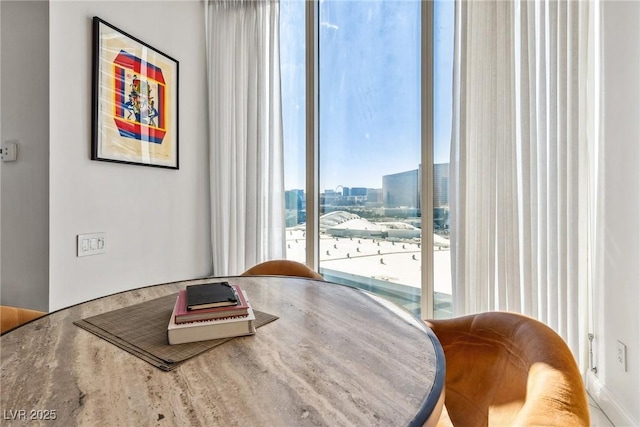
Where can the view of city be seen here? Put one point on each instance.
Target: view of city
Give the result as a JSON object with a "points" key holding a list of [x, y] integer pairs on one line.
{"points": [[371, 237], [369, 139]]}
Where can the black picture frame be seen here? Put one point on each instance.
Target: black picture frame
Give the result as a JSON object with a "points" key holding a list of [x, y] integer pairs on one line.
{"points": [[134, 100]]}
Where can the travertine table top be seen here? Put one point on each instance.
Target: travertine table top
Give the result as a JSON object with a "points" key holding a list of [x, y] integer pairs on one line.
{"points": [[337, 356]]}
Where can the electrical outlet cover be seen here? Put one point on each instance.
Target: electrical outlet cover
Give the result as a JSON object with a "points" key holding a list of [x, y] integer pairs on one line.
{"points": [[621, 355], [9, 152]]}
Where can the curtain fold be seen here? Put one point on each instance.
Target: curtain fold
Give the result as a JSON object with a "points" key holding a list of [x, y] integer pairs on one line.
{"points": [[245, 133], [519, 163]]}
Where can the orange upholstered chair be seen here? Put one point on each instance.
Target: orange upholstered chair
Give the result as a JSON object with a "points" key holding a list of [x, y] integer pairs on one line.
{"points": [[506, 369], [282, 267], [12, 317]]}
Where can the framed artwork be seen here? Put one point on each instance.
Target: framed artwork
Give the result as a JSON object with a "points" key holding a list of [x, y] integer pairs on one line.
{"points": [[135, 100]]}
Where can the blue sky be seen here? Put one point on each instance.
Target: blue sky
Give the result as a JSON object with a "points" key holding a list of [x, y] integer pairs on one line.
{"points": [[369, 90]]}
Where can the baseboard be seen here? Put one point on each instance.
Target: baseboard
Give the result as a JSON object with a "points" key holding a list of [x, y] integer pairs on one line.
{"points": [[608, 403]]}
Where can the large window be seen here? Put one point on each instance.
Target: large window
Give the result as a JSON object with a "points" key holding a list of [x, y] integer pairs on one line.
{"points": [[292, 66], [369, 118]]}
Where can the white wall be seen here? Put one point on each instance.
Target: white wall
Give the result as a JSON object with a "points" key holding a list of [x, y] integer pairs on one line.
{"points": [[156, 220], [24, 201], [617, 272]]}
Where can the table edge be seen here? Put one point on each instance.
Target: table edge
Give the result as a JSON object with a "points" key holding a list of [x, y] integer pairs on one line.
{"points": [[432, 400]]}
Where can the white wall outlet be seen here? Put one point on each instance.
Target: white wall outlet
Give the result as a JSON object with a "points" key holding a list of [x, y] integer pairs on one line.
{"points": [[621, 355], [9, 151], [92, 244]]}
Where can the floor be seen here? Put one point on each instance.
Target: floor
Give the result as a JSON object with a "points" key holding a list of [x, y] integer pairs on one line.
{"points": [[598, 418]]}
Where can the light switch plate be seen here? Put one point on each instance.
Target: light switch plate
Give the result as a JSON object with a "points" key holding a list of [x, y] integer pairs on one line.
{"points": [[91, 244]]}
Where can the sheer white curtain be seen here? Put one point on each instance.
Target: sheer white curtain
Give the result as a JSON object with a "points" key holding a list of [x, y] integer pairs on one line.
{"points": [[520, 162], [245, 133]]}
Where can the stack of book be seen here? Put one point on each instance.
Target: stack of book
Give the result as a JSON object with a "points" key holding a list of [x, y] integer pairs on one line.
{"points": [[210, 311]]}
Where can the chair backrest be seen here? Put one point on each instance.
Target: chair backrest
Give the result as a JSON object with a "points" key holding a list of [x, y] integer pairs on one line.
{"points": [[282, 267], [509, 369], [12, 317]]}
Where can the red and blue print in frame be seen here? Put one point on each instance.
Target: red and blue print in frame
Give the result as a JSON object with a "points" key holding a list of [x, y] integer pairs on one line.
{"points": [[135, 101]]}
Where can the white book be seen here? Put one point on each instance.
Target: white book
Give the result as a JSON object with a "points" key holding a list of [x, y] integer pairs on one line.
{"points": [[180, 333]]}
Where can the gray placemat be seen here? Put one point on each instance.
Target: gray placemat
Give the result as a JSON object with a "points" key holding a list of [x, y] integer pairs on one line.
{"points": [[141, 329]]}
